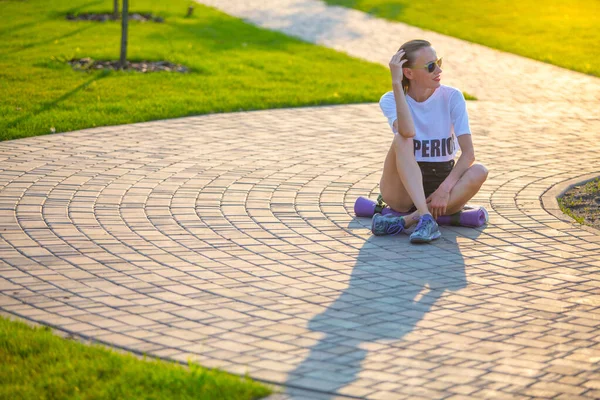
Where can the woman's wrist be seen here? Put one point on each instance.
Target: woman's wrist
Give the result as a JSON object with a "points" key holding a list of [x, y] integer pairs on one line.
{"points": [[445, 187]]}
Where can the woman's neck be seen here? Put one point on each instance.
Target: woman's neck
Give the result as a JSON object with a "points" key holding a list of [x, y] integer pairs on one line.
{"points": [[419, 94]]}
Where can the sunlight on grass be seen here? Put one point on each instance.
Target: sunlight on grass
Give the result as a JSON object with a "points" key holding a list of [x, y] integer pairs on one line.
{"points": [[563, 33], [36, 364], [235, 66], [468, 96]]}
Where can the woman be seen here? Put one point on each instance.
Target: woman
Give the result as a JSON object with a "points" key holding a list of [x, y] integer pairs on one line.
{"points": [[419, 172]]}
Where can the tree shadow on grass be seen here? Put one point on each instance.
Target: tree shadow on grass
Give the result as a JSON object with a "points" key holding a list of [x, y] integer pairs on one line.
{"points": [[45, 17], [393, 286], [226, 34], [47, 41], [51, 104], [77, 8], [15, 28]]}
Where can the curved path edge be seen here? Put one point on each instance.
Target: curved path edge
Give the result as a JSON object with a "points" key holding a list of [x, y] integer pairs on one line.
{"points": [[550, 199]]}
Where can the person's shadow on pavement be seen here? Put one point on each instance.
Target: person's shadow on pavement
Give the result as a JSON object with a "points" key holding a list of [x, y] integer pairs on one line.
{"points": [[393, 285]]}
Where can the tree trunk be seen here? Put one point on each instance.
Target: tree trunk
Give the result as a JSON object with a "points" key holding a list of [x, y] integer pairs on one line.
{"points": [[124, 20], [116, 9]]}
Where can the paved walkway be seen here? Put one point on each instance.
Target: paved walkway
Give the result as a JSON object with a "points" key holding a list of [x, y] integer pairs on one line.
{"points": [[230, 239]]}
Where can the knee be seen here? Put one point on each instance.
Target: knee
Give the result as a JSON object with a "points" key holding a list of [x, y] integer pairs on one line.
{"points": [[480, 173]]}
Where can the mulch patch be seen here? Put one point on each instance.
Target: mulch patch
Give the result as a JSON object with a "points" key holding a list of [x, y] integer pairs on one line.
{"points": [[142, 17], [86, 64]]}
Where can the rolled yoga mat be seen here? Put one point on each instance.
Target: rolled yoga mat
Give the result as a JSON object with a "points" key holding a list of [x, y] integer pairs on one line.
{"points": [[470, 216]]}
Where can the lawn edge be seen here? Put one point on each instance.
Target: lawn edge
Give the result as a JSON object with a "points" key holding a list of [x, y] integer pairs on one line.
{"points": [[549, 199], [100, 128], [428, 29], [88, 341]]}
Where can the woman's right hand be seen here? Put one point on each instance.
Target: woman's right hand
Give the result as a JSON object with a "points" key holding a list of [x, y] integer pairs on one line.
{"points": [[396, 64]]}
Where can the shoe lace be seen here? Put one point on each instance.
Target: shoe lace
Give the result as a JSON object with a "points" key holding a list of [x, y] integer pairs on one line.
{"points": [[395, 227], [422, 221]]}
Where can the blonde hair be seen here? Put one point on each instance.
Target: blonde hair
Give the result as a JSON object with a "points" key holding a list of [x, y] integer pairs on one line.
{"points": [[410, 48]]}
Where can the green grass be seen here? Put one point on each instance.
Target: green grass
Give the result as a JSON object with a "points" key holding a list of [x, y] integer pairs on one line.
{"points": [[235, 66], [565, 206], [468, 96], [36, 364], [592, 187], [577, 203], [564, 33]]}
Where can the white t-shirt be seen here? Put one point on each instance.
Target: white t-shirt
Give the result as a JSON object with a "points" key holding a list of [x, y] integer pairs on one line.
{"points": [[438, 120]]}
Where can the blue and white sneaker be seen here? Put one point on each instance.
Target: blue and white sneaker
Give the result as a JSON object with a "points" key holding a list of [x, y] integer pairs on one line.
{"points": [[426, 231], [388, 224]]}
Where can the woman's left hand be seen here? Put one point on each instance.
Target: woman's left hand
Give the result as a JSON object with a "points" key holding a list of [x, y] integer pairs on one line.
{"points": [[437, 202]]}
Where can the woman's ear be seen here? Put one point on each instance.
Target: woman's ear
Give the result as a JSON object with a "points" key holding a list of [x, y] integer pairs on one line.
{"points": [[407, 73]]}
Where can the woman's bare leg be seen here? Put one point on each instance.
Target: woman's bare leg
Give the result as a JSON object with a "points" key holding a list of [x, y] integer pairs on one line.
{"points": [[467, 186], [397, 195], [402, 182]]}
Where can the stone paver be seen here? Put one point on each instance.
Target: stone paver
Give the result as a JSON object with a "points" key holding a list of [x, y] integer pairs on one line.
{"points": [[230, 239]]}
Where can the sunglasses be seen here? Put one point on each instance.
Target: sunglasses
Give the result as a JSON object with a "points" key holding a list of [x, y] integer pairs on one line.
{"points": [[430, 66]]}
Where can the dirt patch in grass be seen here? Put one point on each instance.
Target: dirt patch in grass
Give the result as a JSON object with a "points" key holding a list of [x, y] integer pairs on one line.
{"points": [[142, 17], [141, 66], [582, 203]]}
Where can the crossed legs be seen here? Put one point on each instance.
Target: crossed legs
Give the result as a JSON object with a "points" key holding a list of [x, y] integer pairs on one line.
{"points": [[402, 182]]}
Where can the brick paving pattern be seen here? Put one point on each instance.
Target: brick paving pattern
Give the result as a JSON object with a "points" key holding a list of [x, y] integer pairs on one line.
{"points": [[230, 240]]}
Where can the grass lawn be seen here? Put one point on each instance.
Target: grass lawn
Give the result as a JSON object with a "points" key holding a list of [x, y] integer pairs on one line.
{"points": [[564, 33], [235, 66], [36, 364]]}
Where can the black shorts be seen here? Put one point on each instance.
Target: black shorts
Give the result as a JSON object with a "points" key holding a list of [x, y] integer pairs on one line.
{"points": [[434, 173]]}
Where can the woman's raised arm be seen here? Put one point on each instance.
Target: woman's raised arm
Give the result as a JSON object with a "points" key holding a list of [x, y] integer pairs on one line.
{"points": [[405, 124]]}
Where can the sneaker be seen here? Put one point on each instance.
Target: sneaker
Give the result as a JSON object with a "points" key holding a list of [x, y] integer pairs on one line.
{"points": [[426, 231], [388, 224]]}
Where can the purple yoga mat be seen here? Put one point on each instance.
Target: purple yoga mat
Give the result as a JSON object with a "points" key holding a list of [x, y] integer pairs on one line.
{"points": [[470, 216]]}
